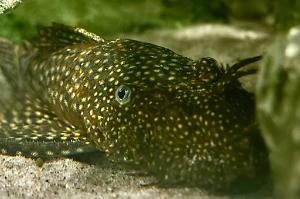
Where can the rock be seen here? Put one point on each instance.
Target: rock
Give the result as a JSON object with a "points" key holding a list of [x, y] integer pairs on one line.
{"points": [[278, 109]]}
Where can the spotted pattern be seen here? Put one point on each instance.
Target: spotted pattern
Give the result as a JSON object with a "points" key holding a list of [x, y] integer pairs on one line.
{"points": [[184, 121]]}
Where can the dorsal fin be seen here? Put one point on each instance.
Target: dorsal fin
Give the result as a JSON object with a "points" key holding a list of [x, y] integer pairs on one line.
{"points": [[58, 36]]}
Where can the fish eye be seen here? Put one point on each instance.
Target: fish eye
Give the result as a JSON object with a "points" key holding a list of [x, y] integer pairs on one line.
{"points": [[123, 94]]}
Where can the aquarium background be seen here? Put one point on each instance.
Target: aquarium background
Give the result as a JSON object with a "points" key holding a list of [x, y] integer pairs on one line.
{"points": [[224, 29], [114, 16]]}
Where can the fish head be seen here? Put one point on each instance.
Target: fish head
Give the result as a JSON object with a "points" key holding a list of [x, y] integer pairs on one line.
{"points": [[158, 113]]}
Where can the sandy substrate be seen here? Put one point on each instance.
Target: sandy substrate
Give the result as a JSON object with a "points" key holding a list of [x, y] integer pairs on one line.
{"points": [[66, 178], [93, 176]]}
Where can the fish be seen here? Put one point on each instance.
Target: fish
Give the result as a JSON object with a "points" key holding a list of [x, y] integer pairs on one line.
{"points": [[186, 122]]}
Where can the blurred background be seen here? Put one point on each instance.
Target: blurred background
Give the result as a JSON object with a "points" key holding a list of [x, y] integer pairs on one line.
{"points": [[224, 29], [114, 16]]}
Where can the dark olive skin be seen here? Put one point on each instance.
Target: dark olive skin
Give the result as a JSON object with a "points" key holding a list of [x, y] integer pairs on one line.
{"points": [[186, 122]]}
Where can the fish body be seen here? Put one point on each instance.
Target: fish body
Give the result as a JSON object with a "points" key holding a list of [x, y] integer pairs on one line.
{"points": [[185, 121]]}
